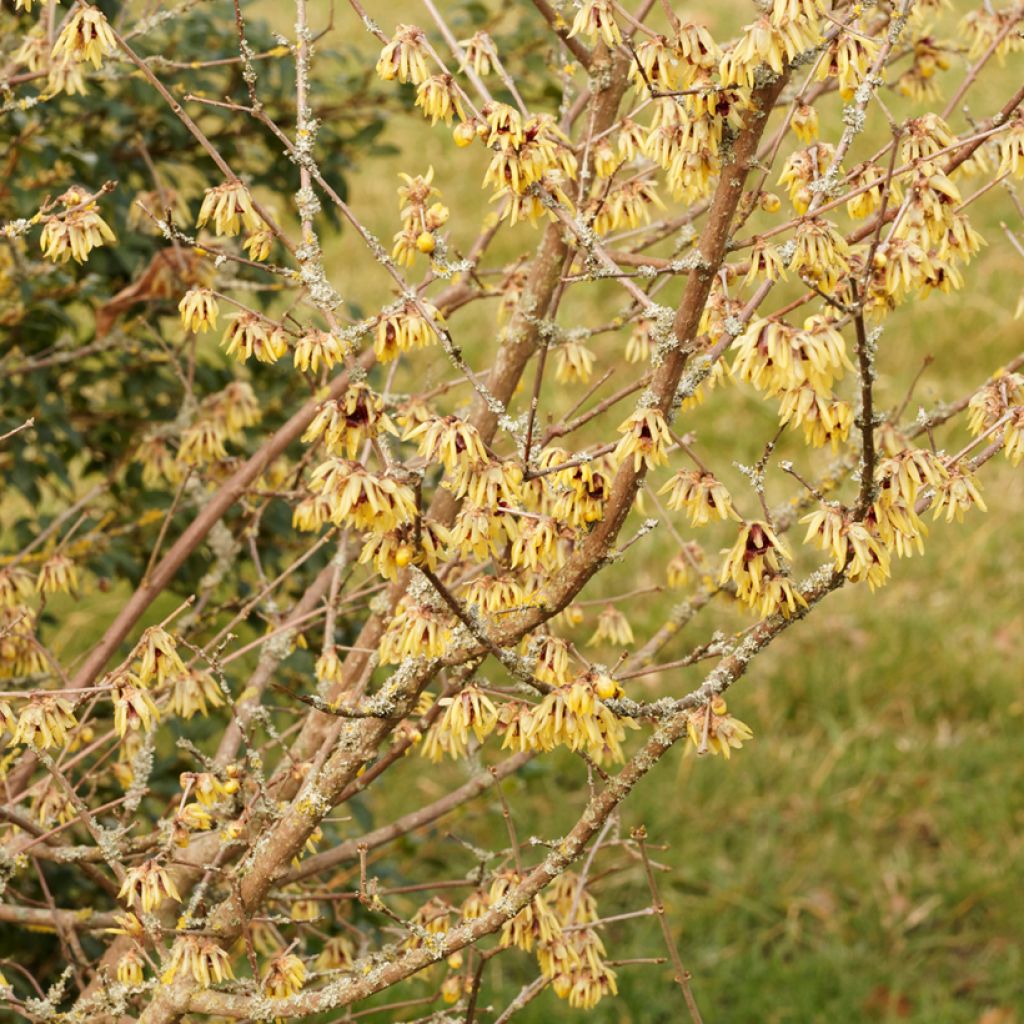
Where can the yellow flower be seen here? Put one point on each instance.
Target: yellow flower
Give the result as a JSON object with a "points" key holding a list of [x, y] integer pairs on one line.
{"points": [[158, 656], [44, 722], [194, 818], [755, 553], [765, 262], [990, 402], [453, 987], [701, 495], [362, 499], [596, 19], [257, 243], [494, 485], [201, 957], [393, 551], [908, 471], [15, 586], [469, 712], [85, 37], [776, 357], [57, 575], [574, 363], [147, 885], [683, 565], [536, 922], [130, 968], [1013, 437], [439, 98], [801, 169], [956, 494], [492, 595], [339, 953], [821, 253], [191, 691], [657, 64], [805, 123], [645, 437], [631, 139], [133, 708], [198, 309], [403, 57], [612, 627], [586, 491], [312, 513], [712, 728], [208, 789], [848, 58], [328, 666], [416, 631], [202, 442], [779, 596], [406, 329], [762, 43], [285, 976], [67, 76], [76, 232], [627, 206], [552, 660], [158, 462], [450, 440], [583, 986], [824, 420], [572, 716], [316, 347], [230, 207], [252, 335], [536, 545], [480, 53], [898, 526], [1010, 147]]}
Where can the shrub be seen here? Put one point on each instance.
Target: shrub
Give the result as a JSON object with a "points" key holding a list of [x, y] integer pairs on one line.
{"points": [[326, 534]]}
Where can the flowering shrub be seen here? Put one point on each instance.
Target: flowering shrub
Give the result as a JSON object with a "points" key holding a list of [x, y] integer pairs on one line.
{"points": [[340, 537]]}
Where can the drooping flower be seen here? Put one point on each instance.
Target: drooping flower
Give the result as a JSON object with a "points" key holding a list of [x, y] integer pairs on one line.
{"points": [[645, 438], [596, 20], [86, 36], [201, 957], [44, 722], [192, 691], [700, 494], [284, 977], [147, 885], [133, 707], [130, 968], [230, 207], [755, 553], [75, 232], [362, 499], [316, 347], [198, 309], [612, 627], [404, 57], [57, 575], [470, 712], [711, 728]]}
